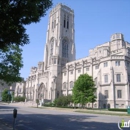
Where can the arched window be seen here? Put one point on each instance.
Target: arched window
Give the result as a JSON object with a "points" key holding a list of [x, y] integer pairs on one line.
{"points": [[65, 48], [51, 47], [71, 84], [67, 22], [64, 20], [64, 85]]}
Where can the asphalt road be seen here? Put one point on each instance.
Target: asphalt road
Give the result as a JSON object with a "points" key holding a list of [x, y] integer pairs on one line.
{"points": [[46, 119]]}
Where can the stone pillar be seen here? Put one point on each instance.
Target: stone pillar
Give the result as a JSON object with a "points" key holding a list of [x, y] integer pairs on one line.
{"points": [[126, 88], [112, 89], [82, 67], [67, 84], [74, 72]]}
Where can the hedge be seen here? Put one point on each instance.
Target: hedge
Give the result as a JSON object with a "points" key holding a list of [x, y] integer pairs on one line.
{"points": [[19, 99], [117, 109]]}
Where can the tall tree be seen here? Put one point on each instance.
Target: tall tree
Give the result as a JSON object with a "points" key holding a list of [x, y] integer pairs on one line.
{"points": [[10, 64], [5, 96], [83, 89], [14, 15], [17, 13]]}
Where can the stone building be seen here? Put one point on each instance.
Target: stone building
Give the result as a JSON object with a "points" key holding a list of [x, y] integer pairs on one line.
{"points": [[108, 64]]}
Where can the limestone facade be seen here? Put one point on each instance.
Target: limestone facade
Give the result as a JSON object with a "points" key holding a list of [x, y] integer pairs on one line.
{"points": [[108, 64]]}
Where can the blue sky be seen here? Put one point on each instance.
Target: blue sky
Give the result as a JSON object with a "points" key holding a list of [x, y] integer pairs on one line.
{"points": [[95, 22]]}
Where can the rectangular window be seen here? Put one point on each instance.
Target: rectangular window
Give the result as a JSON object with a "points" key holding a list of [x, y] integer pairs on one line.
{"points": [[54, 61], [79, 70], [96, 67], [118, 77], [106, 94], [71, 72], [119, 94], [105, 64], [129, 77], [128, 63], [87, 69], [106, 78], [52, 25], [67, 24], [117, 63], [64, 23]]}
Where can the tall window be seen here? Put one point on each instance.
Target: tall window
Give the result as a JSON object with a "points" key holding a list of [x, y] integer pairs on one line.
{"points": [[105, 64], [79, 70], [118, 77], [67, 22], [71, 84], [87, 69], [96, 67], [119, 94], [64, 85], [117, 63], [52, 24], [64, 48], [64, 20], [106, 78], [106, 94], [128, 77], [51, 47]]}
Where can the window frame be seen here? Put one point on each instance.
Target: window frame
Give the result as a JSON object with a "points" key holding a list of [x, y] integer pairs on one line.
{"points": [[118, 77], [106, 78], [105, 64], [117, 63], [119, 93]]}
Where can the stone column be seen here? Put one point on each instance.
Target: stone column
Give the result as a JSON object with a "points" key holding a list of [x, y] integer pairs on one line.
{"points": [[67, 84], [82, 67], [126, 88], [74, 72], [112, 89]]}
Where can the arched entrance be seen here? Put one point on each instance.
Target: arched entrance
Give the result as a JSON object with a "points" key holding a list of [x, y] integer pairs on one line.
{"points": [[41, 92]]}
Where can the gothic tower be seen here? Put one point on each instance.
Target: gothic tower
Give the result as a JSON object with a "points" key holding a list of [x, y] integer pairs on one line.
{"points": [[60, 46]]}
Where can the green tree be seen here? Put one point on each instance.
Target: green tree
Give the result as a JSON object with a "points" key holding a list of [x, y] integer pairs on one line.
{"points": [[11, 63], [15, 14], [5, 96], [83, 89], [92, 99]]}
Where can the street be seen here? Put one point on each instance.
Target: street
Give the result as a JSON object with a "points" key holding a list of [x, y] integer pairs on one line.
{"points": [[48, 119]]}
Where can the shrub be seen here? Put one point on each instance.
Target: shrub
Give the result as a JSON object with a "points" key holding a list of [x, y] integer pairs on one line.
{"points": [[63, 101], [117, 109], [19, 99], [37, 101], [5, 96], [49, 104]]}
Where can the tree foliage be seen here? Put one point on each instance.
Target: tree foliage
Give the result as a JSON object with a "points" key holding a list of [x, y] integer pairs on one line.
{"points": [[17, 13], [83, 90], [14, 15], [10, 64], [5, 96]]}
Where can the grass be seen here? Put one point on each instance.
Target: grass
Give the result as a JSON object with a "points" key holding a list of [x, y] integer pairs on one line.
{"points": [[104, 113]]}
